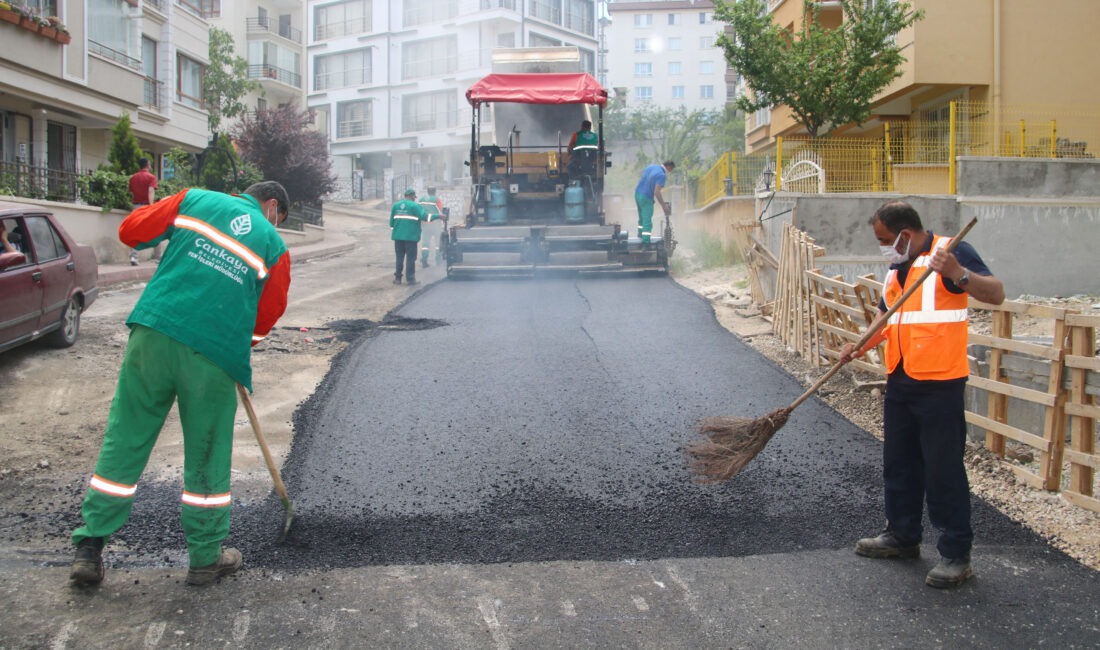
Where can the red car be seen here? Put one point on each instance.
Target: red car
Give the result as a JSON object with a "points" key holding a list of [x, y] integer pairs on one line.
{"points": [[46, 278]]}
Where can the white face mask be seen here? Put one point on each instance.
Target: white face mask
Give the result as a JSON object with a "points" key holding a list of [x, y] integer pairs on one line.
{"points": [[891, 252]]}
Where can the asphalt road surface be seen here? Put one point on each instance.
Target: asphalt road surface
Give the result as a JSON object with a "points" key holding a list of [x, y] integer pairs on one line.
{"points": [[500, 465]]}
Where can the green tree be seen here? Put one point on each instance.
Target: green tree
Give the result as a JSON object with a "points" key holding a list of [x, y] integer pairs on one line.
{"points": [[826, 76], [281, 143], [125, 149], [728, 132], [225, 81]]}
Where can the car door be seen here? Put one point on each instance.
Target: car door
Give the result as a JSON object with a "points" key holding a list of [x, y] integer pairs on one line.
{"points": [[55, 268], [20, 293]]}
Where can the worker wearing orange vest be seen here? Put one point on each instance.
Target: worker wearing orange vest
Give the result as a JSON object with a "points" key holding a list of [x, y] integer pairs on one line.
{"points": [[924, 421]]}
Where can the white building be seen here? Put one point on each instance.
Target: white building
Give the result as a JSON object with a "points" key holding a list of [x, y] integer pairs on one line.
{"points": [[663, 53], [59, 100], [270, 35], [388, 79]]}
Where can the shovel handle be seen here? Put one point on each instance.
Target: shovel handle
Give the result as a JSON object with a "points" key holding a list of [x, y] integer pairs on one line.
{"points": [[280, 489], [870, 333]]}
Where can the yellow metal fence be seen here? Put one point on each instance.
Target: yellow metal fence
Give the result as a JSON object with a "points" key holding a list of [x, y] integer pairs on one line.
{"points": [[913, 156]]}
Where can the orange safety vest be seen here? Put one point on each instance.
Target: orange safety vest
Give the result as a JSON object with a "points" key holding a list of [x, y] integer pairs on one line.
{"points": [[930, 330]]}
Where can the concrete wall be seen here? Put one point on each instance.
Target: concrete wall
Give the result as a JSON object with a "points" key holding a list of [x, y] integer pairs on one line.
{"points": [[92, 226], [1038, 223]]}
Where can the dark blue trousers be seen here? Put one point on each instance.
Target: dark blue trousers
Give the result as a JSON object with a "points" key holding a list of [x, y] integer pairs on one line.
{"points": [[922, 459], [405, 252]]}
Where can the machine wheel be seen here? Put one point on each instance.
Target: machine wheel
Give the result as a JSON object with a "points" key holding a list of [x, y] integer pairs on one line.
{"points": [[65, 335]]}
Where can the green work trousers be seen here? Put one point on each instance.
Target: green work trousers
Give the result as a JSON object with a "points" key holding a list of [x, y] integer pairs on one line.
{"points": [[645, 216], [156, 371]]}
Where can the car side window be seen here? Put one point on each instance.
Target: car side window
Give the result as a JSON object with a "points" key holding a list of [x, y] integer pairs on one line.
{"points": [[47, 244]]}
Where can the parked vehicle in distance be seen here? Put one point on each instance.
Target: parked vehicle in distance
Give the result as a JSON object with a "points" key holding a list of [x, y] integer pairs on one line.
{"points": [[46, 282]]}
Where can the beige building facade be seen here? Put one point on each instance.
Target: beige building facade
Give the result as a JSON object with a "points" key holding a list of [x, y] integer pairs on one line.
{"points": [[1003, 53]]}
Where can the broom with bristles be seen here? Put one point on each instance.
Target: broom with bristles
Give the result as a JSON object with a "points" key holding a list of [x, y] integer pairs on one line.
{"points": [[732, 442]]}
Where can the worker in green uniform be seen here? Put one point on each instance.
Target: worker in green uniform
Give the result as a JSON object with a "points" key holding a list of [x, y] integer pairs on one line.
{"points": [[434, 207], [221, 285], [405, 218]]}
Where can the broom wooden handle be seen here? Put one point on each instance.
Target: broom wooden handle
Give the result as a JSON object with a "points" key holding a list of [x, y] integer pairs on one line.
{"points": [[870, 333]]}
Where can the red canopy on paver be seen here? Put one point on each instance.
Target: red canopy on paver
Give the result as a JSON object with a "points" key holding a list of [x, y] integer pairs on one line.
{"points": [[538, 88]]}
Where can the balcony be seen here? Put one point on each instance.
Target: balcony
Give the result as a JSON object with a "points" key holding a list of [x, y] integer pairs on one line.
{"points": [[154, 93], [265, 72], [265, 26]]}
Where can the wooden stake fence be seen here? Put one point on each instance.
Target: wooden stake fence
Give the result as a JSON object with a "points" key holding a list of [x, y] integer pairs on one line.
{"points": [[793, 318]]}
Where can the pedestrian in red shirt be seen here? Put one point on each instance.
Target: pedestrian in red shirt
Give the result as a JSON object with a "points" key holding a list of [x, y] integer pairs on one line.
{"points": [[142, 189]]}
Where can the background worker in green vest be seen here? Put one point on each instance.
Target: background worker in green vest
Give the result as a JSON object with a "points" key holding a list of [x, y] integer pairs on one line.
{"points": [[434, 207], [221, 285], [405, 218], [583, 148]]}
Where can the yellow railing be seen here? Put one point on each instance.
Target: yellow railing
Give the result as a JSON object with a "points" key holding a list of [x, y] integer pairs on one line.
{"points": [[912, 156]]}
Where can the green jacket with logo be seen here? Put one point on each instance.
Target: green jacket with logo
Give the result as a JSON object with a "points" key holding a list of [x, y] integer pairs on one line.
{"points": [[405, 218], [222, 281]]}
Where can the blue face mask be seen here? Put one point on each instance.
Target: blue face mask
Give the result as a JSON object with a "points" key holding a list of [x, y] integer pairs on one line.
{"points": [[891, 252]]}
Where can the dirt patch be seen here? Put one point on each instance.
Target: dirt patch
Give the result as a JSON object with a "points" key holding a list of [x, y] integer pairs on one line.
{"points": [[1069, 528]]}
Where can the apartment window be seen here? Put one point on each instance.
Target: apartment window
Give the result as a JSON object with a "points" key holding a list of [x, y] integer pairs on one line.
{"points": [[353, 119], [706, 42], [641, 45], [674, 68], [643, 69], [113, 31], [267, 59], [675, 43], [706, 92], [189, 81], [430, 58], [677, 92], [674, 19], [644, 93], [341, 19], [702, 18], [261, 104], [153, 86], [40, 7], [203, 8], [421, 12], [538, 40], [706, 67], [579, 16], [342, 70], [643, 20], [546, 11], [429, 111]]}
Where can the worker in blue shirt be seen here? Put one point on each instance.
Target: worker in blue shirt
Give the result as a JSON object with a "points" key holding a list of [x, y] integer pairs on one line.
{"points": [[647, 193]]}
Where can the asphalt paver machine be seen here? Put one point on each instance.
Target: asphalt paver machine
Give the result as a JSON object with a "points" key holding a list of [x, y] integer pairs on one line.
{"points": [[535, 207]]}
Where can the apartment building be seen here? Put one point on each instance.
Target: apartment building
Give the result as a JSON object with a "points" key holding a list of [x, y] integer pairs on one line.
{"points": [[388, 80], [662, 52], [998, 53], [59, 100], [269, 34]]}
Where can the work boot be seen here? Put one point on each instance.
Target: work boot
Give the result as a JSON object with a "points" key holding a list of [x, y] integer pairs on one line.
{"points": [[228, 563], [412, 281], [949, 572], [887, 544], [88, 565], [397, 279]]}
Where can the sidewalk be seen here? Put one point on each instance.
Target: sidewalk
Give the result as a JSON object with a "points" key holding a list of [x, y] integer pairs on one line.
{"points": [[111, 275]]}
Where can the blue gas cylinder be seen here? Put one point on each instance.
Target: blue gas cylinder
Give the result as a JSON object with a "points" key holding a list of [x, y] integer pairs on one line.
{"points": [[574, 203], [498, 205]]}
